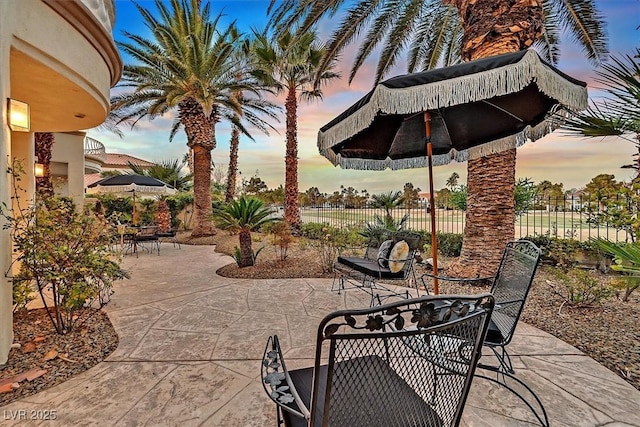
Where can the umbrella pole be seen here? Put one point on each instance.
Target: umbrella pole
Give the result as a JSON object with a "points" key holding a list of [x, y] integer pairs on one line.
{"points": [[134, 220], [432, 204]]}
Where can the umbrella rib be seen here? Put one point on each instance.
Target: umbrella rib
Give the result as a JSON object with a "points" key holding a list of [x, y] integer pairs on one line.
{"points": [[503, 110]]}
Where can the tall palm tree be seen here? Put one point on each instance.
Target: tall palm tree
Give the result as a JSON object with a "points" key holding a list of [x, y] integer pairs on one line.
{"points": [[452, 181], [289, 64], [187, 65], [619, 113], [244, 68], [441, 32]]}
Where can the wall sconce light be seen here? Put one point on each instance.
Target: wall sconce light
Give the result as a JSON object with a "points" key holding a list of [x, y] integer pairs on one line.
{"points": [[18, 115], [38, 170]]}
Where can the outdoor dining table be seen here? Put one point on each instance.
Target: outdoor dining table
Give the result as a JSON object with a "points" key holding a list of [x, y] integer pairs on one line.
{"points": [[133, 238]]}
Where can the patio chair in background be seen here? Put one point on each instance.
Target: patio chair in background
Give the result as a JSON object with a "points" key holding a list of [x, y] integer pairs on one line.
{"points": [[387, 258], [168, 236], [365, 374], [146, 238], [510, 287]]}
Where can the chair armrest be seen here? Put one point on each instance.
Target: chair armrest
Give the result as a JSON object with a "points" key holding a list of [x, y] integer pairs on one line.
{"points": [[281, 389]]}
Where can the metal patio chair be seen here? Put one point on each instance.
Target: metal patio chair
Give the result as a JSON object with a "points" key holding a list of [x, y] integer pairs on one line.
{"points": [[147, 236], [365, 374], [169, 237], [510, 287]]}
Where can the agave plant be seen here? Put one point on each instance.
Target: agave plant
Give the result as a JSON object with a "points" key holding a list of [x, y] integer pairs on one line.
{"points": [[627, 260], [244, 215]]}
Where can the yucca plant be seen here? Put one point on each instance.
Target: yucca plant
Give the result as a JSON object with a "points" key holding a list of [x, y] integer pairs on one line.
{"points": [[244, 215]]}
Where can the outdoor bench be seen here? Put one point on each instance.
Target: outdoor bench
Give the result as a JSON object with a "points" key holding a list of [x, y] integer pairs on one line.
{"points": [[387, 258]]}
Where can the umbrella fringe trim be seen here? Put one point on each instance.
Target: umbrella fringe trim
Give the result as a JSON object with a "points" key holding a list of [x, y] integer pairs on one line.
{"points": [[513, 141], [129, 188], [469, 88]]}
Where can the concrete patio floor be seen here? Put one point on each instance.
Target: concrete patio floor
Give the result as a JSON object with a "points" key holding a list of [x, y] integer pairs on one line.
{"points": [[191, 343]]}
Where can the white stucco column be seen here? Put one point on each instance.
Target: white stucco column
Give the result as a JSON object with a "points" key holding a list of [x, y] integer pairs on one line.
{"points": [[6, 318]]}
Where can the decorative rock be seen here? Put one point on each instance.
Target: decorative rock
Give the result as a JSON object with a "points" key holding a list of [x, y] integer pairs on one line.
{"points": [[51, 354], [28, 347]]}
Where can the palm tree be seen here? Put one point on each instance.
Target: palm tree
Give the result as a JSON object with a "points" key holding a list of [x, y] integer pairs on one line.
{"points": [[452, 181], [43, 149], [187, 65], [167, 171], [244, 68], [441, 32], [243, 216], [620, 112], [387, 201], [290, 63]]}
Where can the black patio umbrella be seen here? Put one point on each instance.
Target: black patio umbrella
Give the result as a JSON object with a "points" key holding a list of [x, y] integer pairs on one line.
{"points": [[131, 183], [456, 113]]}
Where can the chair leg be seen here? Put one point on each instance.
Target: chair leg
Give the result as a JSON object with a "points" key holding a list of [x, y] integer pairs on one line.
{"points": [[505, 371], [504, 360], [340, 278], [279, 419], [540, 412]]}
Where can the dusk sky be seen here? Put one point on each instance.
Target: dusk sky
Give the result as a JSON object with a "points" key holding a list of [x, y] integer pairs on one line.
{"points": [[557, 158]]}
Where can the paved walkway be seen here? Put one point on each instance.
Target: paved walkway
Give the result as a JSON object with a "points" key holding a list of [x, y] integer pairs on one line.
{"points": [[191, 343]]}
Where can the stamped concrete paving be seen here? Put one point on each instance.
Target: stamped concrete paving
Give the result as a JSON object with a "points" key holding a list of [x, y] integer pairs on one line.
{"points": [[191, 342]]}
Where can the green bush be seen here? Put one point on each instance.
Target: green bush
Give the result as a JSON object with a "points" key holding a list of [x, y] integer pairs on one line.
{"points": [[563, 252], [579, 288], [330, 242], [449, 244], [177, 203], [64, 253], [626, 262], [116, 208]]}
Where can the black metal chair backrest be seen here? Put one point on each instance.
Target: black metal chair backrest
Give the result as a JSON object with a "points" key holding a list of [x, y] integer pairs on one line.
{"points": [[377, 366], [511, 286]]}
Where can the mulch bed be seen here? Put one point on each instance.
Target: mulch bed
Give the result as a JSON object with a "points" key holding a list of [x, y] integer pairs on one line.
{"points": [[61, 356]]}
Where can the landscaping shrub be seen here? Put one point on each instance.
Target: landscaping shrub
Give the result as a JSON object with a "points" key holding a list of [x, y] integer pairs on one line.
{"points": [[115, 208], [177, 202], [147, 212], [63, 253], [564, 253], [330, 242], [281, 238], [579, 288], [627, 262], [449, 244]]}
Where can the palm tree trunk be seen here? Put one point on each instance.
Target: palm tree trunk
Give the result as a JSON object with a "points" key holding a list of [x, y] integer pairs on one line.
{"points": [[491, 28], [203, 225], [291, 210], [232, 173], [200, 130], [246, 251], [43, 146]]}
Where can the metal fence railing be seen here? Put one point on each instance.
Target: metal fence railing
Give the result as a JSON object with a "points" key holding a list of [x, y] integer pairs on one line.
{"points": [[577, 217]]}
